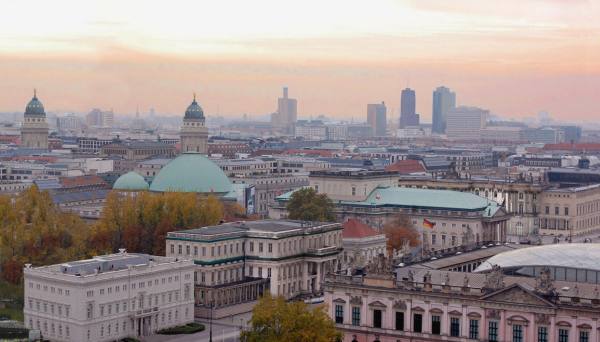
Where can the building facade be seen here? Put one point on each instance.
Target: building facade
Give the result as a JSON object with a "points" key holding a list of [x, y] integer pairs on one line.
{"points": [[446, 220], [408, 114], [236, 262], [377, 118], [431, 305], [466, 123], [570, 211], [287, 112], [443, 101], [108, 297], [194, 133], [34, 131]]}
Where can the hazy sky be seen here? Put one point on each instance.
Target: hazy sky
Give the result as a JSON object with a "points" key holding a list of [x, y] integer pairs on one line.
{"points": [[514, 57]]}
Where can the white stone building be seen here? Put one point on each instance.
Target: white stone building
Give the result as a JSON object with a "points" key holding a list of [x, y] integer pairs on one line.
{"points": [[108, 297], [236, 262]]}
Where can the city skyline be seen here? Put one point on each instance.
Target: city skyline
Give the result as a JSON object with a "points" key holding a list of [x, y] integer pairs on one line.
{"points": [[109, 59]]}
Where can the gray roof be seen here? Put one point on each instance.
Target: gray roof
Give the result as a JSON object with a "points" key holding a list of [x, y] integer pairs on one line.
{"points": [[66, 197], [260, 228], [575, 255], [35, 107]]}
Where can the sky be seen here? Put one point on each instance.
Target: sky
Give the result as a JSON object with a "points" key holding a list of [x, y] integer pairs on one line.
{"points": [[513, 57]]}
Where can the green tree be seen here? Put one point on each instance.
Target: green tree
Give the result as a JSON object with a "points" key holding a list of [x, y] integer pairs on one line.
{"points": [[273, 319], [307, 205]]}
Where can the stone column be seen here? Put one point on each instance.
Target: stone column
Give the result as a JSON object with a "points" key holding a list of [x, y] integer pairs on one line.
{"points": [[318, 280]]}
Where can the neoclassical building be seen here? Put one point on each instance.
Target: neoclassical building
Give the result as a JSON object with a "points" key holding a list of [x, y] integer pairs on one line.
{"points": [[194, 133], [34, 132], [108, 297], [237, 262], [418, 304]]}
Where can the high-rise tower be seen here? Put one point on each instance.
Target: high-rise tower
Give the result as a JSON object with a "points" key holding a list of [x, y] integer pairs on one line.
{"points": [[287, 113], [408, 114], [376, 117], [34, 131], [194, 134], [443, 101]]}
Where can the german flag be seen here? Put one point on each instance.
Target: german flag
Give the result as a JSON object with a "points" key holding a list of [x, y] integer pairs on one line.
{"points": [[428, 224]]}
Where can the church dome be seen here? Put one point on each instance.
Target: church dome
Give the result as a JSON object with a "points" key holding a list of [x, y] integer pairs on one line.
{"points": [[194, 111], [35, 107], [131, 181], [191, 172]]}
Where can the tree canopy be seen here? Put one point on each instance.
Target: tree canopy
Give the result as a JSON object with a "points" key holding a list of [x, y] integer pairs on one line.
{"points": [[274, 319], [306, 204], [34, 231], [140, 223], [400, 231]]}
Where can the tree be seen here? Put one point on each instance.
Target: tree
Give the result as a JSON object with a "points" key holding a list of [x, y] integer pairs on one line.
{"points": [[140, 223], [400, 231], [307, 205], [273, 319], [34, 231]]}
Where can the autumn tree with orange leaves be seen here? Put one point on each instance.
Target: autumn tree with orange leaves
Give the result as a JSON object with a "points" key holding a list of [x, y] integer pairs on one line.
{"points": [[140, 223], [399, 231]]}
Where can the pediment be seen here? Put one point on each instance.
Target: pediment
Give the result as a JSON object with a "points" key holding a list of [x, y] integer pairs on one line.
{"points": [[377, 304], [516, 294], [339, 301]]}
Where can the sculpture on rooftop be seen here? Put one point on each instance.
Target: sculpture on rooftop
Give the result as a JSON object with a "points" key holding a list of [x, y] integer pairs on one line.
{"points": [[494, 280], [544, 283]]}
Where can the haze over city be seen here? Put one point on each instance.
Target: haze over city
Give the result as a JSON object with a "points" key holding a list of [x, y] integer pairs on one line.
{"points": [[513, 58]]}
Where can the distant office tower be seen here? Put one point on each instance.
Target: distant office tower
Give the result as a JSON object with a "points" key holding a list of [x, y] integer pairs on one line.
{"points": [[443, 101], [100, 118], [68, 122], [408, 114], [466, 123], [377, 118], [287, 113], [34, 132], [194, 134]]}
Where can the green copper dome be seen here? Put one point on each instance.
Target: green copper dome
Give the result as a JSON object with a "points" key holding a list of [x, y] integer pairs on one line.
{"points": [[194, 111], [191, 172], [35, 107], [131, 181]]}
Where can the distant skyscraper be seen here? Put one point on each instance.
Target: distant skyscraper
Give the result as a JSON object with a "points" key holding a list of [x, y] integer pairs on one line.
{"points": [[377, 118], [99, 118], [34, 132], [443, 101], [287, 113], [466, 123], [408, 114]]}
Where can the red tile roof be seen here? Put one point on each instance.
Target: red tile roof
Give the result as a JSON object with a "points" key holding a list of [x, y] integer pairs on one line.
{"points": [[406, 166], [582, 147], [79, 181], [354, 229]]}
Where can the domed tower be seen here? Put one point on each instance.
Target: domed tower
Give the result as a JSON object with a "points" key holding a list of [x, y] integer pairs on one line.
{"points": [[194, 135], [34, 131]]}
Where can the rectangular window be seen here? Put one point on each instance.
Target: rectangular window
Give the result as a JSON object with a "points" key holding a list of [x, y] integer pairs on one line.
{"points": [[517, 333], [563, 335], [454, 326], [339, 314], [473, 329], [376, 318], [584, 336], [251, 246], [493, 331], [355, 315], [417, 323], [542, 334], [270, 248], [436, 325], [400, 321], [260, 247]]}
